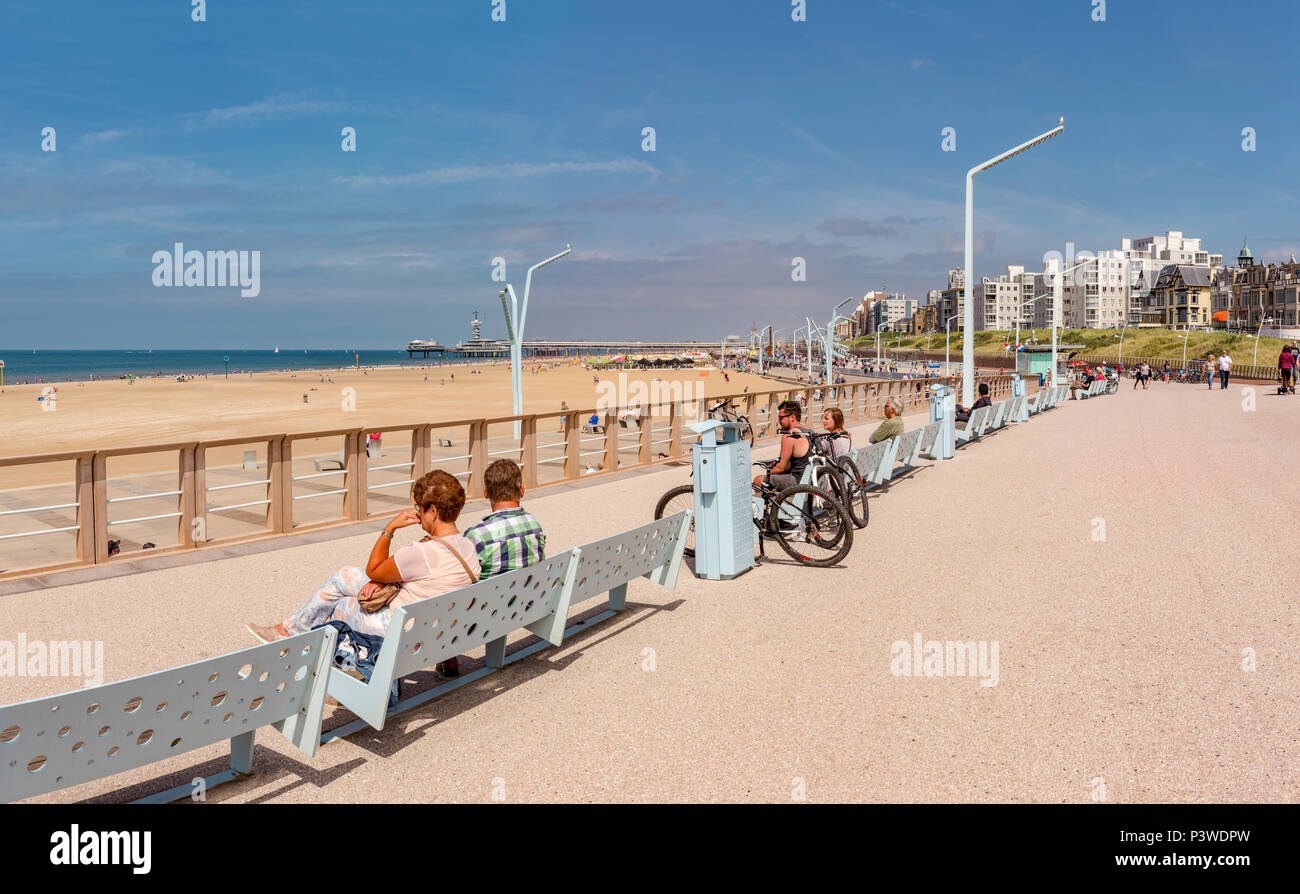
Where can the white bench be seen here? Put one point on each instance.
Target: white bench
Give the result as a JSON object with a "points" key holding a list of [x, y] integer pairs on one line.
{"points": [[320, 463], [536, 598], [974, 426], [1037, 402], [63, 740]]}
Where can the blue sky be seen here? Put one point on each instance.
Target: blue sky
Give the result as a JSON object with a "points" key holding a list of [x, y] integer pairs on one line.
{"points": [[478, 139]]}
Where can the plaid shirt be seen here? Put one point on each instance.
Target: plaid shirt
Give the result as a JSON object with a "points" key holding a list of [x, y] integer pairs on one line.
{"points": [[507, 540]]}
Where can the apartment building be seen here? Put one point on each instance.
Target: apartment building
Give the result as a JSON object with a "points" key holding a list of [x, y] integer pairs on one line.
{"points": [[888, 313], [1180, 297], [1000, 300], [1250, 295]]}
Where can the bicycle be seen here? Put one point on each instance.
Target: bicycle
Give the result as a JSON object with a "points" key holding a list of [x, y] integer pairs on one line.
{"points": [[839, 477], [727, 411], [809, 524]]}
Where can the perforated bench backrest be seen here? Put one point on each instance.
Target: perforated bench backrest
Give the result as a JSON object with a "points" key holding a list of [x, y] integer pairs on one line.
{"points": [[63, 740], [608, 563], [436, 629], [867, 459], [928, 434], [908, 442], [975, 424]]}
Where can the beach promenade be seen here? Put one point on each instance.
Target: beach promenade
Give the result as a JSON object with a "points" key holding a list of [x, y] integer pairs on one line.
{"points": [[1121, 553]]}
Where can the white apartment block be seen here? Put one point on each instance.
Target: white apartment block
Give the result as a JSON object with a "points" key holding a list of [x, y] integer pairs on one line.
{"points": [[1000, 300], [1109, 290]]}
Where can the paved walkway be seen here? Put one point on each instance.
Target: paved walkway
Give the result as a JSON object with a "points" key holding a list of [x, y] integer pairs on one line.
{"points": [[1119, 660]]}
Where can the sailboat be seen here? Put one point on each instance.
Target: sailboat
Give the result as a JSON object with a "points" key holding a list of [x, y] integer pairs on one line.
{"points": [[277, 349]]}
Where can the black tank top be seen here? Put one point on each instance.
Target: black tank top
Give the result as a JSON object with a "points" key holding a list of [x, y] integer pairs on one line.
{"points": [[798, 464]]}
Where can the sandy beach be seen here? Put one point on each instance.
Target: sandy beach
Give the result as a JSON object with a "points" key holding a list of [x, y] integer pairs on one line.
{"points": [[113, 413]]}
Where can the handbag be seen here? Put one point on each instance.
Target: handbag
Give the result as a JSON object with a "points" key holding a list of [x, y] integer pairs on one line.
{"points": [[381, 598]]}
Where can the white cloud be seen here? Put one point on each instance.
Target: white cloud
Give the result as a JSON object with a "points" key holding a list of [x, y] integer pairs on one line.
{"points": [[103, 136], [276, 107], [446, 176]]}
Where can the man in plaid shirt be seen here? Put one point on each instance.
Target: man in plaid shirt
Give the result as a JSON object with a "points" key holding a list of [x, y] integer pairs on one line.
{"points": [[509, 538]]}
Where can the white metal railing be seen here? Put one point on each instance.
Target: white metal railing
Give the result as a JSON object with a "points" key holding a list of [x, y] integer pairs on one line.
{"points": [[165, 493], [36, 533], [39, 508], [239, 506], [217, 487]]}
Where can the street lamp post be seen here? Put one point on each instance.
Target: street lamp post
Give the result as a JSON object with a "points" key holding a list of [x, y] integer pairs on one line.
{"points": [[812, 327], [1025, 304], [968, 344], [1056, 310], [1259, 333], [880, 329], [830, 340], [516, 317]]}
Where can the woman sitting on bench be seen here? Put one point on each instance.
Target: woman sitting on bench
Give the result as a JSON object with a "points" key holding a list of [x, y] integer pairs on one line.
{"points": [[438, 564]]}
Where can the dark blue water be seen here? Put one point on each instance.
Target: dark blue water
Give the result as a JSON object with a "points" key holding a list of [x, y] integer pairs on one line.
{"points": [[76, 366]]}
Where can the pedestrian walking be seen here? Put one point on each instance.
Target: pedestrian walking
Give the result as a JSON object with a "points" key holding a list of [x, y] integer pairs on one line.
{"points": [[1286, 370], [1225, 367], [1209, 372]]}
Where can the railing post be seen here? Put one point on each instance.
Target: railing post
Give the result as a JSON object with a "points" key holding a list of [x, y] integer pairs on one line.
{"points": [[611, 440], [478, 451], [282, 485], [100, 475], [572, 446], [675, 429], [528, 453], [354, 454], [421, 442], [271, 521], [85, 509], [187, 483], [646, 421]]}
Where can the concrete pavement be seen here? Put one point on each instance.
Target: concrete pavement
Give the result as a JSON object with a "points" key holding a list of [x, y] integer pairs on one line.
{"points": [[1122, 554]]}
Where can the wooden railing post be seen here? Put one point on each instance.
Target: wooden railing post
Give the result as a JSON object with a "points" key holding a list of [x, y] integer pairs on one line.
{"points": [[478, 451], [354, 456], [646, 421], [100, 475], [187, 482], [284, 485], [572, 446], [675, 429], [86, 507], [421, 444], [611, 440], [528, 452]]}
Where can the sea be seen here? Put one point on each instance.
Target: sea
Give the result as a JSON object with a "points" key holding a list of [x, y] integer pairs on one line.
{"points": [[24, 366]]}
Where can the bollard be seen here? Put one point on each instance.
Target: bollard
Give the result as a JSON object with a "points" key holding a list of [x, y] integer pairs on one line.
{"points": [[943, 410], [724, 517], [1017, 393]]}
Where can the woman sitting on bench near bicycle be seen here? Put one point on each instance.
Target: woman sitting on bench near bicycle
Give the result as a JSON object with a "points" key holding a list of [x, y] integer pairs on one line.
{"points": [[796, 443], [833, 420], [440, 563]]}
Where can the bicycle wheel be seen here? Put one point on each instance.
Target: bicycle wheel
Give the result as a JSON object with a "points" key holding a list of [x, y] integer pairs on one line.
{"points": [[855, 495], [746, 430], [831, 480], [675, 501], [811, 526]]}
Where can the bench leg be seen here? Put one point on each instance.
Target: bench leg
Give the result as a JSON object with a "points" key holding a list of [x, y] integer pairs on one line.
{"points": [[496, 652], [618, 598], [241, 753]]}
